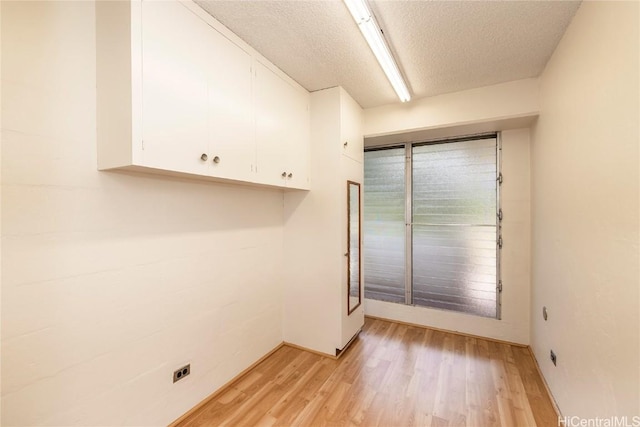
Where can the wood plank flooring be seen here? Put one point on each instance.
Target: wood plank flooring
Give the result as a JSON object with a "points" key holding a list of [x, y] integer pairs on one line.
{"points": [[392, 375]]}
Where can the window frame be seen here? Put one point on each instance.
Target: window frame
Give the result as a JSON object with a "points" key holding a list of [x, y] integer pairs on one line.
{"points": [[408, 150]]}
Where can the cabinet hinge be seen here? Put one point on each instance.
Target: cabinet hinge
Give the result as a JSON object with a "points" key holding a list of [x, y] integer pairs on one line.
{"points": [[499, 179], [499, 287], [500, 242]]}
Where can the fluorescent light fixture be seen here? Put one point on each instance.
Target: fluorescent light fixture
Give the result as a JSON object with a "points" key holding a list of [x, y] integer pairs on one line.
{"points": [[373, 35]]}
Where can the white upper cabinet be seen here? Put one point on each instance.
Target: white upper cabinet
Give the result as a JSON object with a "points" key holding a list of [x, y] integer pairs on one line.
{"points": [[231, 121], [351, 130], [298, 149], [282, 130], [271, 128], [179, 93], [175, 119]]}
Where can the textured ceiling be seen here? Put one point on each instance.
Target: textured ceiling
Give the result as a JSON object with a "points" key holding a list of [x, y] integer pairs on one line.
{"points": [[441, 46]]}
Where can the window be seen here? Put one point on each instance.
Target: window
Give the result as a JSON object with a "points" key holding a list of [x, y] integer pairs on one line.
{"points": [[384, 225], [431, 225]]}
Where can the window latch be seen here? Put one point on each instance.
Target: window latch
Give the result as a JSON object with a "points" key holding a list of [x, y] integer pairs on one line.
{"points": [[500, 214]]}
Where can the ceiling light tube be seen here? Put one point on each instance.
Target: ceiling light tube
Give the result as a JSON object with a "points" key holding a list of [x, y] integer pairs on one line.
{"points": [[373, 35]]}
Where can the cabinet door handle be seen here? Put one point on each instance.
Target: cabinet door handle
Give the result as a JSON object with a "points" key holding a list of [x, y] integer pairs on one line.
{"points": [[345, 144], [204, 157], [284, 174], [216, 159], [290, 175]]}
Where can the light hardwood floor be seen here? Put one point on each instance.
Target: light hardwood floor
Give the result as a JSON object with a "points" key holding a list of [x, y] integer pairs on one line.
{"points": [[392, 375]]}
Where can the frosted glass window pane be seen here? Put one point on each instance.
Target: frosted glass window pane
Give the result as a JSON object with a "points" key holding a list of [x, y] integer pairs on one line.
{"points": [[455, 183], [455, 268], [384, 225], [454, 226]]}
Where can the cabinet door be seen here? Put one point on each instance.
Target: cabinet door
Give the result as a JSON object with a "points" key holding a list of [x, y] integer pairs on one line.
{"points": [[175, 88], [298, 161], [271, 118], [231, 127], [351, 128]]}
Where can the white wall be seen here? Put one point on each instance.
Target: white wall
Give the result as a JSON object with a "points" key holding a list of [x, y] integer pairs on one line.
{"points": [[313, 249], [485, 104], [585, 214], [514, 195], [315, 234], [1, 137], [112, 281]]}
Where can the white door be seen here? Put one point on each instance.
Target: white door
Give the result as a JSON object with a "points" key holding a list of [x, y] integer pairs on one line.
{"points": [[175, 87]]}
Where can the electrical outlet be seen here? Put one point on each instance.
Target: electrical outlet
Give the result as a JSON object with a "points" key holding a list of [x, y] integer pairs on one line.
{"points": [[554, 358], [181, 373]]}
